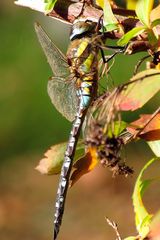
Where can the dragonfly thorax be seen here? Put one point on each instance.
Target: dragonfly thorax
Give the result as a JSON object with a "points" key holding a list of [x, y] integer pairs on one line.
{"points": [[82, 56]]}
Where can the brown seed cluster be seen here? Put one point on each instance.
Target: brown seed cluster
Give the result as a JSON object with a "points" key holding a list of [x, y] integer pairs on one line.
{"points": [[108, 150]]}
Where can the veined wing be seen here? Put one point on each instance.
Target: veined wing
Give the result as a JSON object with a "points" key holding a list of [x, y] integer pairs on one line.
{"points": [[63, 96], [55, 57], [61, 91]]}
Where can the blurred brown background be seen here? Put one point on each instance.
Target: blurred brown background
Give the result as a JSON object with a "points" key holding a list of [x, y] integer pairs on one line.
{"points": [[30, 125]]}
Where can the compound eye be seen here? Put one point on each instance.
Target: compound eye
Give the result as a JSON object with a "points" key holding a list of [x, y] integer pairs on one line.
{"points": [[76, 31]]}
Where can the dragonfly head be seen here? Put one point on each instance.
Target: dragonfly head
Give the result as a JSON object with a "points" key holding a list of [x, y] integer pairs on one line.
{"points": [[82, 28]]}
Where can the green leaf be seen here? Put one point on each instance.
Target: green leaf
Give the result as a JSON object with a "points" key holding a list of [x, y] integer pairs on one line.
{"points": [[142, 217], [49, 5], [129, 35], [153, 40], [143, 10], [110, 21], [111, 27], [145, 85], [155, 146], [155, 23], [119, 126], [54, 158]]}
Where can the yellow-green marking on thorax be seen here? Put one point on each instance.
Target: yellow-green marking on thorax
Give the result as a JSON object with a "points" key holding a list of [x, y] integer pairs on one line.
{"points": [[88, 63], [82, 47]]}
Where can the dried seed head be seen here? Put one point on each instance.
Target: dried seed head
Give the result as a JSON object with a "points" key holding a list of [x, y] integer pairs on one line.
{"points": [[108, 150]]}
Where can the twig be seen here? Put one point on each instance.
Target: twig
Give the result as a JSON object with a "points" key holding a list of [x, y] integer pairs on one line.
{"points": [[115, 227]]}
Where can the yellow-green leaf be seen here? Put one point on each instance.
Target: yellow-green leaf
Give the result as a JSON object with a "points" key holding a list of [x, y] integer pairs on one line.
{"points": [[110, 21], [131, 34], [49, 5], [142, 217], [143, 10], [152, 38], [155, 146], [119, 126], [111, 27]]}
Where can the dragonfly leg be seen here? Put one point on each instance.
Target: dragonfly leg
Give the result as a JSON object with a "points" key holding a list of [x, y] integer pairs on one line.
{"points": [[107, 59], [103, 56], [115, 48]]}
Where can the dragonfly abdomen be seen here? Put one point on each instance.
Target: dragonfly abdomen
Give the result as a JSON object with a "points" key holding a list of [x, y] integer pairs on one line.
{"points": [[85, 95], [87, 91], [66, 169]]}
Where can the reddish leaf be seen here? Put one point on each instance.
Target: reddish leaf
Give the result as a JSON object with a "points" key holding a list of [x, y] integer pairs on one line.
{"points": [[154, 234], [142, 88], [84, 165], [54, 157], [151, 131]]}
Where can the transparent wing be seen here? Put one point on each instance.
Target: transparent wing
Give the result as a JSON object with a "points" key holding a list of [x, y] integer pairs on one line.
{"points": [[61, 87], [63, 96], [55, 57]]}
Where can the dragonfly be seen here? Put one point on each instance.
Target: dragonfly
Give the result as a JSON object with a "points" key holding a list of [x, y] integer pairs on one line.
{"points": [[72, 89]]}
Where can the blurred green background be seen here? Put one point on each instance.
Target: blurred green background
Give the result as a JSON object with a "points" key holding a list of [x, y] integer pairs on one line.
{"points": [[30, 125]]}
